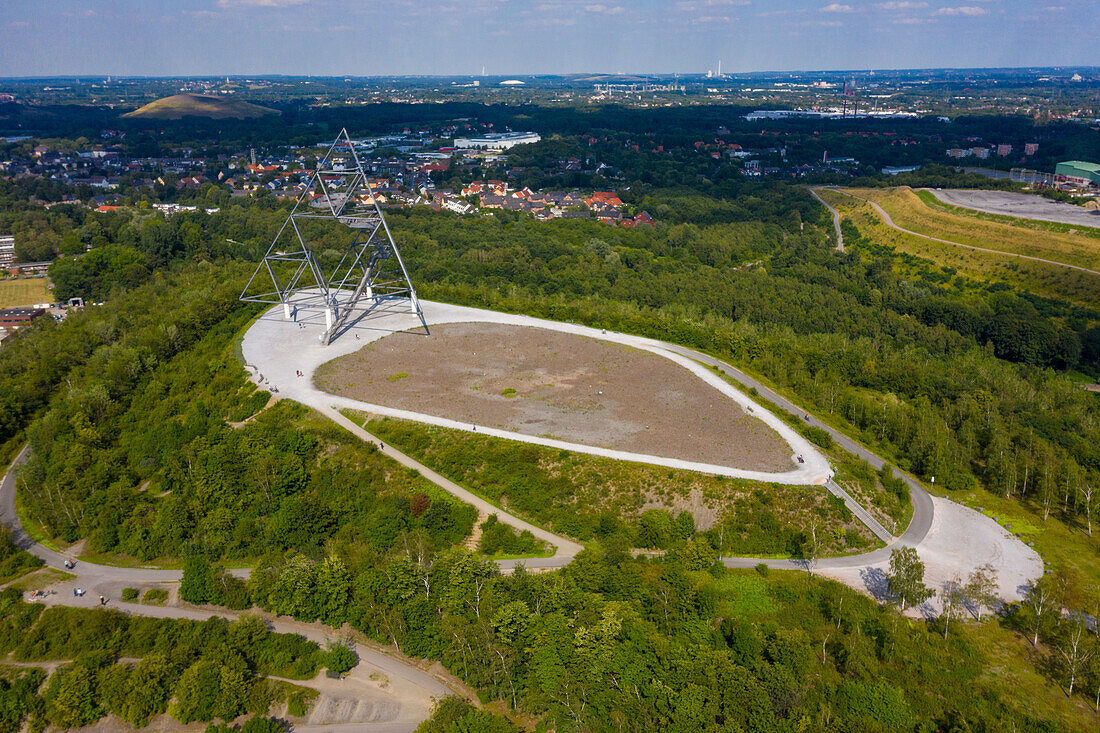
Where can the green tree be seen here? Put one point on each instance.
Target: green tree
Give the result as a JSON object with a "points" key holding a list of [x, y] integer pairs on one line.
{"points": [[73, 697], [340, 659], [150, 685], [905, 581], [198, 580], [197, 692]]}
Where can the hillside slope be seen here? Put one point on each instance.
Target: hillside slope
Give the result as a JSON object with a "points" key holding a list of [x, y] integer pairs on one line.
{"points": [[199, 105]]}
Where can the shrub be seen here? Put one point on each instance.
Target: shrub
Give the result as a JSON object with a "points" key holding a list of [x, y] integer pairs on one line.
{"points": [[340, 660], [296, 705], [155, 596], [129, 594]]}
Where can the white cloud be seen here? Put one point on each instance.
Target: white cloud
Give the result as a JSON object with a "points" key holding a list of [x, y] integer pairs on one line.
{"points": [[900, 6], [971, 10], [691, 6], [260, 3], [606, 10], [837, 8]]}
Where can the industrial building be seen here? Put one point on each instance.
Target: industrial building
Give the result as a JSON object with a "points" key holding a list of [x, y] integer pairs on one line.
{"points": [[12, 319], [1078, 171], [497, 140]]}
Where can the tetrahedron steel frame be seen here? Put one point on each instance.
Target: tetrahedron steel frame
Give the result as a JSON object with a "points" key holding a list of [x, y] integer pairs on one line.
{"points": [[371, 269]]}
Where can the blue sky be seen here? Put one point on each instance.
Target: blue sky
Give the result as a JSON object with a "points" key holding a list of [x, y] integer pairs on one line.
{"points": [[371, 37]]}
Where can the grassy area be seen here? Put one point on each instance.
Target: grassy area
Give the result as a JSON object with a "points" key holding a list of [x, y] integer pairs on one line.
{"points": [[24, 291], [1050, 280], [42, 578], [120, 560], [1064, 547], [588, 496], [909, 211], [1012, 664]]}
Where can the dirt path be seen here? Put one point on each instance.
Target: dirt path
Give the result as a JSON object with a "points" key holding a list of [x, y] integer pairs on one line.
{"points": [[836, 220]]}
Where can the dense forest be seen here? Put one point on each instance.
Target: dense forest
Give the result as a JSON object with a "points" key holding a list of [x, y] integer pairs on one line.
{"points": [[137, 668]]}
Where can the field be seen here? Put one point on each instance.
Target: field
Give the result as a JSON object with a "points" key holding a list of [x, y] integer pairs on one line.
{"points": [[541, 382], [589, 497], [197, 105], [24, 291], [1048, 279], [909, 211]]}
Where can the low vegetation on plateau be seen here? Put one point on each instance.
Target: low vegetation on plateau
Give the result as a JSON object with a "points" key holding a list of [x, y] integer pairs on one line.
{"points": [[592, 498], [1048, 279], [918, 211]]}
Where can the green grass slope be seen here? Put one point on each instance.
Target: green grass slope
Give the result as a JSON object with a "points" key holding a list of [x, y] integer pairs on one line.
{"points": [[198, 105]]}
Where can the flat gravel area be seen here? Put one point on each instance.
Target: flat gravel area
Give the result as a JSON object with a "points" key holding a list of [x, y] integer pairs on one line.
{"points": [[549, 383], [1020, 205], [959, 541]]}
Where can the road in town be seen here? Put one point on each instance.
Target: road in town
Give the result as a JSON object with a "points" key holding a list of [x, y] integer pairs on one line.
{"points": [[890, 223]]}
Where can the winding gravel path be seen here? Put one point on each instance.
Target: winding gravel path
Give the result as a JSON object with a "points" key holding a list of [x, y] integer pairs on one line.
{"points": [[836, 219]]}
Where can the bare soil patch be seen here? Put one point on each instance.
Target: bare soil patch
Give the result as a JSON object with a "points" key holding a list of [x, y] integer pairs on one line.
{"points": [[541, 382]]}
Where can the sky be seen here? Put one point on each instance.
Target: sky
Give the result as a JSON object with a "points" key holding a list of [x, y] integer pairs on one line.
{"points": [[517, 37]]}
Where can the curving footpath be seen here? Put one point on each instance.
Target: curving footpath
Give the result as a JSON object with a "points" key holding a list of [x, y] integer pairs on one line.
{"points": [[836, 219], [890, 223]]}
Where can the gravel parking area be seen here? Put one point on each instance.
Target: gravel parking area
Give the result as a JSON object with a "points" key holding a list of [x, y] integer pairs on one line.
{"points": [[554, 384], [1022, 205], [959, 541]]}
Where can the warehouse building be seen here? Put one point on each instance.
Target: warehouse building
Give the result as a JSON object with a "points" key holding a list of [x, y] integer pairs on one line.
{"points": [[497, 140], [1078, 171], [12, 319]]}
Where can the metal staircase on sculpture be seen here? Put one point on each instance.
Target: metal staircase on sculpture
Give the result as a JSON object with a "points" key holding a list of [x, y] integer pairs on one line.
{"points": [[371, 268]]}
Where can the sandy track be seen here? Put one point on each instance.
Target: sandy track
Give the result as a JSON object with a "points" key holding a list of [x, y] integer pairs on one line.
{"points": [[541, 382]]}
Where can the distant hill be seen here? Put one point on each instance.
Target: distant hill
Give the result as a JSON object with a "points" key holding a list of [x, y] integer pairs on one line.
{"points": [[199, 105]]}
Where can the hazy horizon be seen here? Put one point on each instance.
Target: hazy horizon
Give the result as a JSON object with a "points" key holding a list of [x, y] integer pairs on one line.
{"points": [[158, 38]]}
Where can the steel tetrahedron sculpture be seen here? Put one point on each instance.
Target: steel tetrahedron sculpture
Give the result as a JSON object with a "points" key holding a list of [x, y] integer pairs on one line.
{"points": [[370, 274]]}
